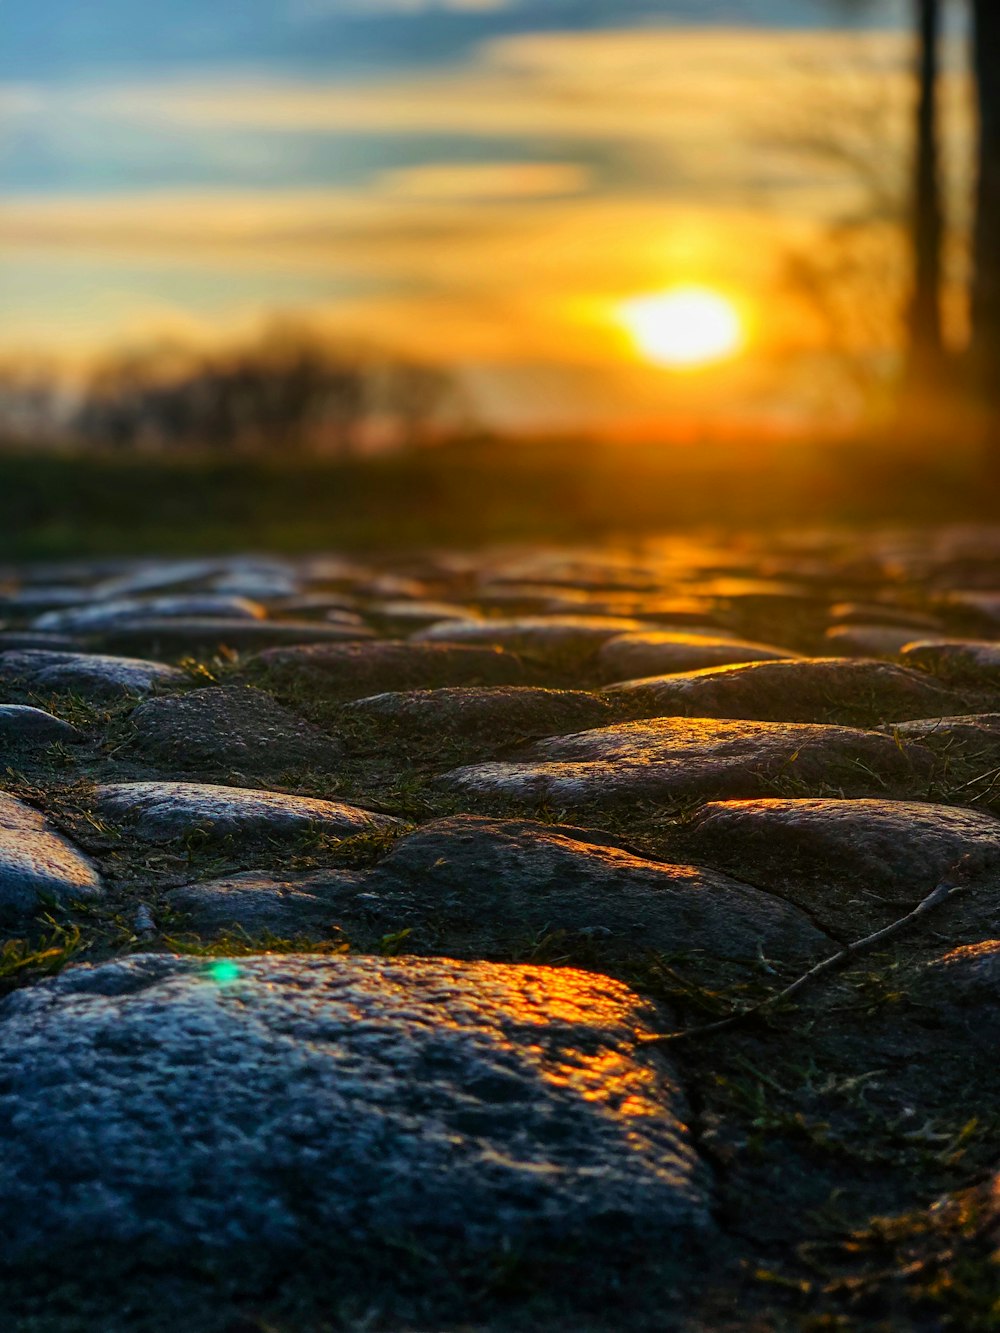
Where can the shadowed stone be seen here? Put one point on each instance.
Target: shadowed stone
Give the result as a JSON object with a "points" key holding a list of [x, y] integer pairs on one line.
{"points": [[366, 1114], [419, 613], [966, 976], [884, 614], [265, 583], [973, 659], [652, 654], [34, 601], [16, 639], [852, 862], [235, 727], [163, 810], [107, 615], [981, 606], [497, 710], [962, 991], [155, 577], [811, 690], [538, 634], [354, 670], [668, 759], [871, 640], [37, 864], [975, 733], [259, 904], [494, 885], [175, 637], [22, 725], [94, 674]]}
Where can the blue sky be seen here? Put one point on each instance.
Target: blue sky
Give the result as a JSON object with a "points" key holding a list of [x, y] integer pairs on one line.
{"points": [[480, 180]]}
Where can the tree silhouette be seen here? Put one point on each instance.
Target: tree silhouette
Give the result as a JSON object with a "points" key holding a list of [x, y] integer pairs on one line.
{"points": [[985, 297], [926, 341]]}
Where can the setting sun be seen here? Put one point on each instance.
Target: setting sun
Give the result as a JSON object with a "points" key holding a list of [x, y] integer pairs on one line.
{"points": [[683, 327]]}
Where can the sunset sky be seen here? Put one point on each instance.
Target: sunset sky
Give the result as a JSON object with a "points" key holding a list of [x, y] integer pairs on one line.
{"points": [[485, 183]]}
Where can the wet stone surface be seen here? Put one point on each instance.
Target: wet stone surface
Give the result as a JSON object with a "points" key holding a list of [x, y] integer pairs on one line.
{"points": [[368, 881]]}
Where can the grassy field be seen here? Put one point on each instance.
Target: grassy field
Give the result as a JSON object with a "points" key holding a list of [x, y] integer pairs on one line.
{"points": [[55, 505]]}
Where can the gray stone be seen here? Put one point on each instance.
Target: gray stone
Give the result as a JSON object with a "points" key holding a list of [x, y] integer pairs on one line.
{"points": [[37, 864], [313, 604], [500, 710], [93, 674], [260, 583], [232, 727], [257, 904], [538, 634], [160, 811], [15, 638], [98, 616], [677, 758], [652, 654], [33, 601], [495, 885], [354, 670], [22, 725], [238, 1117], [853, 863], [420, 613], [154, 577], [811, 690], [207, 636]]}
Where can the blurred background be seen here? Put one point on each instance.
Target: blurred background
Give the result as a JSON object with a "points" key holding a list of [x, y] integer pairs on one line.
{"points": [[477, 267]]}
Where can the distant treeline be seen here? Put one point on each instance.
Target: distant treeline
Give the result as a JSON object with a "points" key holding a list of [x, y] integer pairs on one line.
{"points": [[288, 392]]}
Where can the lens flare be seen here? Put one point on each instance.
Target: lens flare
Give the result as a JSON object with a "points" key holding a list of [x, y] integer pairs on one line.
{"points": [[684, 327], [223, 970]]}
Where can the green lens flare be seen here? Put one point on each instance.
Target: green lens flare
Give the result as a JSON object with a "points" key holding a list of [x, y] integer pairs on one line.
{"points": [[223, 971]]}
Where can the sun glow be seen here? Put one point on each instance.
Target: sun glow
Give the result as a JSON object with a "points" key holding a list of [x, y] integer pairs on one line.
{"points": [[684, 327]]}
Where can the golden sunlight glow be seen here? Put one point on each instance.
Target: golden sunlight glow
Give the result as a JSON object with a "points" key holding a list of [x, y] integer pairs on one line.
{"points": [[683, 327]]}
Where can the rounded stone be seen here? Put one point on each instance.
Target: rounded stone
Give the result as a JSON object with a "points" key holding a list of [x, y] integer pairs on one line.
{"points": [[488, 886], [501, 710], [354, 670], [23, 725], [677, 758], [160, 811], [652, 654], [231, 727], [37, 864], [236, 1117], [830, 689], [95, 674]]}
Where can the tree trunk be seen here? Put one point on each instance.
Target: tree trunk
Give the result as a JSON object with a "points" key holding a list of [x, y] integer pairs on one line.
{"points": [[985, 303], [926, 343]]}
